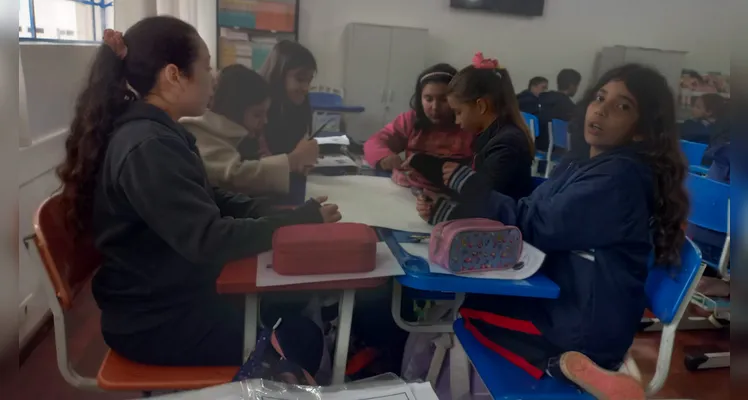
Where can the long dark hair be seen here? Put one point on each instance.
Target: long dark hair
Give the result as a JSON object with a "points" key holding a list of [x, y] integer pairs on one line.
{"points": [[473, 83], [237, 89], [284, 117], [439, 73], [152, 44], [661, 149]]}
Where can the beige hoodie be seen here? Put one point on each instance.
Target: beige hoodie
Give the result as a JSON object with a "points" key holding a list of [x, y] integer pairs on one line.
{"points": [[217, 138]]}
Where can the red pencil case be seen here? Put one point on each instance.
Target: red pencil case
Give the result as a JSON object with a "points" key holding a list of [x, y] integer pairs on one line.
{"points": [[318, 249]]}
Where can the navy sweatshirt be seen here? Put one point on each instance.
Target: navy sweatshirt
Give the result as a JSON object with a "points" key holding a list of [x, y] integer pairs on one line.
{"points": [[502, 163], [602, 207], [163, 232]]}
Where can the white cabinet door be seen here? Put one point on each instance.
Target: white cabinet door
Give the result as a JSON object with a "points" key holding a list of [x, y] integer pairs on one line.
{"points": [[407, 61], [367, 60]]}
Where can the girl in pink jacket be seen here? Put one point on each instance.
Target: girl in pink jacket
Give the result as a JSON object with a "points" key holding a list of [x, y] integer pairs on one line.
{"points": [[429, 127]]}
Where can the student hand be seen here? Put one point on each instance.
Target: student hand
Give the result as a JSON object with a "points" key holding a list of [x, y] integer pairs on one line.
{"points": [[330, 213], [391, 162], [447, 170], [305, 154], [425, 204]]}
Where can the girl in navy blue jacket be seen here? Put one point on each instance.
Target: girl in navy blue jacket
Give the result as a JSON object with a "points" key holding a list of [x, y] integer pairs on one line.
{"points": [[599, 219]]}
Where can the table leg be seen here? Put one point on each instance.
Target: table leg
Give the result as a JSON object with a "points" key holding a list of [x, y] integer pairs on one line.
{"points": [[347, 300], [251, 308], [425, 327], [459, 371]]}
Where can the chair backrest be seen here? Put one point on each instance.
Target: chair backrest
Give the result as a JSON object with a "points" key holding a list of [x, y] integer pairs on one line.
{"points": [[324, 99], [68, 262], [560, 131], [670, 288], [693, 151], [533, 123], [709, 200]]}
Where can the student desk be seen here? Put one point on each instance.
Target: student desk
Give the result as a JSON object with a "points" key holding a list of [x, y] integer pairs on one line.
{"points": [[239, 277]]}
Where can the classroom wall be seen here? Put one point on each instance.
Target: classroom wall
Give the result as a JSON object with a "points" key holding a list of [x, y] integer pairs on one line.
{"points": [[567, 36], [49, 104]]}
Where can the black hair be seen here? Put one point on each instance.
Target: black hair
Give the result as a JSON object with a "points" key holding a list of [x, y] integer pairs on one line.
{"points": [[693, 74], [567, 78], [715, 104], [536, 81], [238, 88], [152, 44], [660, 146], [471, 84], [287, 122], [439, 73]]}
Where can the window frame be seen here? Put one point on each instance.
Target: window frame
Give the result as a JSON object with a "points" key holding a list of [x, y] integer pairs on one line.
{"points": [[101, 5]]}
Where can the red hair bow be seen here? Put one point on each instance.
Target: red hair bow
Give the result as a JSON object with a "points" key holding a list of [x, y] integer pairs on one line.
{"points": [[484, 63]]}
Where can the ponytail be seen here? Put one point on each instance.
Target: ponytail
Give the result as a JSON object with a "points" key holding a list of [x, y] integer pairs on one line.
{"points": [[122, 68]]}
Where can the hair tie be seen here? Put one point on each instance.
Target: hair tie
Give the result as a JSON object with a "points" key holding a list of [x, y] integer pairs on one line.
{"points": [[114, 40], [480, 62], [436, 73]]}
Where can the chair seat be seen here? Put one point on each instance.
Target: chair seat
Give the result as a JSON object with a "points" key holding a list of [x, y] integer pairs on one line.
{"points": [[120, 374], [505, 380]]}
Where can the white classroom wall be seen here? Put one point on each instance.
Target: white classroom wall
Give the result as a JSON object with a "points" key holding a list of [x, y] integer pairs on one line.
{"points": [[568, 35]]}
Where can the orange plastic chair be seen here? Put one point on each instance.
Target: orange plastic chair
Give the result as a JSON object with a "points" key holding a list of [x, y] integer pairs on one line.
{"points": [[69, 265]]}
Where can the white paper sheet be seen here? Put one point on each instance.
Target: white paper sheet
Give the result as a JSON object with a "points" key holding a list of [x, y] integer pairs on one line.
{"points": [[387, 265], [335, 160], [341, 140], [370, 200], [531, 256]]}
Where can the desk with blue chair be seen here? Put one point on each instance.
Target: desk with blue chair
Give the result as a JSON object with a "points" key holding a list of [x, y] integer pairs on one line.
{"points": [[534, 125], [668, 293], [558, 136]]}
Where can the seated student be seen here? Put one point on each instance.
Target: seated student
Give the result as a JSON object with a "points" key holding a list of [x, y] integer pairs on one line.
{"points": [[232, 143], [133, 180], [600, 220], [529, 100], [708, 117], [557, 104], [428, 127], [483, 99], [289, 69]]}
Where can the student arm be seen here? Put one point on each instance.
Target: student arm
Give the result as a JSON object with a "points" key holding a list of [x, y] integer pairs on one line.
{"points": [[225, 168], [163, 181], [390, 140], [592, 212]]}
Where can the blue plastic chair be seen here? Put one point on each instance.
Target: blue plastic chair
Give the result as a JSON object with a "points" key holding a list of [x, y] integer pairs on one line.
{"points": [[534, 124], [693, 151], [558, 136], [669, 292], [710, 205]]}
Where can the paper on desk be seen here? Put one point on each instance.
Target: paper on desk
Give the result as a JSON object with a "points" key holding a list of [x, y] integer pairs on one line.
{"points": [[370, 200], [335, 160], [341, 140], [531, 256], [387, 265]]}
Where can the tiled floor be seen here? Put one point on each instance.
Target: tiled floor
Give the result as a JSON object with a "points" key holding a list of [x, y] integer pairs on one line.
{"points": [[39, 378]]}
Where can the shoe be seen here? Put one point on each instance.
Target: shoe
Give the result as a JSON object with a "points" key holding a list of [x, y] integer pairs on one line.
{"points": [[599, 382]]}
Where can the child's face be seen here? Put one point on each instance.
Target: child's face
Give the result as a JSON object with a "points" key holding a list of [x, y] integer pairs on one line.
{"points": [[435, 105], [611, 117], [470, 116], [539, 88], [297, 84], [698, 111], [192, 94], [256, 117]]}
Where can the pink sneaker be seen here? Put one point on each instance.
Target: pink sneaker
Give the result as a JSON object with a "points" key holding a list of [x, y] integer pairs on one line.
{"points": [[601, 383]]}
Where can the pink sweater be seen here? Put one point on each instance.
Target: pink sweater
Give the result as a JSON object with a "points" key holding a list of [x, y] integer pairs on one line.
{"points": [[446, 142]]}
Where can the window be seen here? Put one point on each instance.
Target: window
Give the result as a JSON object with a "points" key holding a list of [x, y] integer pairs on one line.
{"points": [[68, 20]]}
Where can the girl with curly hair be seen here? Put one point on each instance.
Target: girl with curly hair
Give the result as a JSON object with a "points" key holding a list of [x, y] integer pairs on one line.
{"points": [[602, 220]]}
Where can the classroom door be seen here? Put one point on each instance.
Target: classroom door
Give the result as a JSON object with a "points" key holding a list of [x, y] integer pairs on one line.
{"points": [[365, 82], [407, 61]]}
